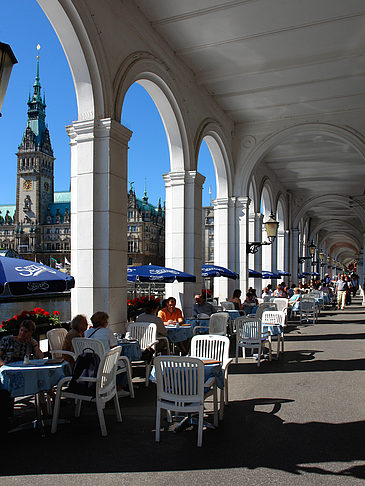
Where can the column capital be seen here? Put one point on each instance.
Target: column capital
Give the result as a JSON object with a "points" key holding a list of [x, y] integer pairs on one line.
{"points": [[88, 130], [224, 202], [193, 176], [243, 202], [174, 178]]}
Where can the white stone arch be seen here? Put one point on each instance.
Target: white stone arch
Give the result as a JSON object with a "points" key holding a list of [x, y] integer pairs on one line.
{"points": [[253, 211], [212, 134], [152, 74], [259, 152], [347, 227], [92, 94]]}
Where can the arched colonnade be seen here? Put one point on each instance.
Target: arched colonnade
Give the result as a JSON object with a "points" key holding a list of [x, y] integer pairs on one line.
{"points": [[104, 66]]}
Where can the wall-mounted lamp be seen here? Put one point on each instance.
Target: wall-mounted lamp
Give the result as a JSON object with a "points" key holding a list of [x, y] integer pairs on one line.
{"points": [[312, 250], [271, 226]]}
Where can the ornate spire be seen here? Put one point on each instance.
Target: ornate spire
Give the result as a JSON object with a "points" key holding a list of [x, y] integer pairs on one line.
{"points": [[36, 126], [145, 197]]}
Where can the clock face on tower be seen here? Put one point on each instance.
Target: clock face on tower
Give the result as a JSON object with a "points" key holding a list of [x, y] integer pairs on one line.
{"points": [[27, 185], [46, 186]]}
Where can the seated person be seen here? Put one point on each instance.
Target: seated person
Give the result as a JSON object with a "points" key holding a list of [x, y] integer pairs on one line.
{"points": [[78, 327], [202, 307], [171, 314], [150, 315], [295, 299], [236, 299], [14, 348], [251, 299], [279, 292], [266, 295], [100, 330]]}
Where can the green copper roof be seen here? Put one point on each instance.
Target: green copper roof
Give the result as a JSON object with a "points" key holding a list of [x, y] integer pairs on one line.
{"points": [[62, 197]]}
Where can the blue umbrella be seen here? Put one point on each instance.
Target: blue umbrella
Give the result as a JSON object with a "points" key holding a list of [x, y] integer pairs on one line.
{"points": [[267, 274], [216, 271], [282, 273], [153, 273], [254, 274], [24, 277]]}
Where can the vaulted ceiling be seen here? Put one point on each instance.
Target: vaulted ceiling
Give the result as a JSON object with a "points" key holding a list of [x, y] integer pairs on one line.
{"points": [[275, 60]]}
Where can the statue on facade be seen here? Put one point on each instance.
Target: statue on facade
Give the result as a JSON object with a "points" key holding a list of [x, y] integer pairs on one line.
{"points": [[27, 204]]}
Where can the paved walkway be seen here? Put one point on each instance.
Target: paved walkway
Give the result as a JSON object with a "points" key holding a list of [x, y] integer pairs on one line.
{"points": [[297, 421]]}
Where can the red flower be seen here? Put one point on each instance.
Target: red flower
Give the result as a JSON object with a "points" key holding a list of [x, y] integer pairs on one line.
{"points": [[15, 318], [45, 313], [56, 313], [37, 310]]}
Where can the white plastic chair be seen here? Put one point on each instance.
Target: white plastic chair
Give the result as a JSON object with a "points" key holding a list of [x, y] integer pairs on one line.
{"points": [[249, 335], [278, 318], [105, 391], [145, 333], [214, 347], [308, 310], [180, 388], [226, 305], [217, 324], [124, 366], [56, 338], [265, 306]]}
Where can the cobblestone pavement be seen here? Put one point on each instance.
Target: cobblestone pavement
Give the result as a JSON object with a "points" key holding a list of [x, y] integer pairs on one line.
{"points": [[298, 420]]}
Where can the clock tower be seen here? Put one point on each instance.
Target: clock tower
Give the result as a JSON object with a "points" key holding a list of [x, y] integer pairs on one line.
{"points": [[35, 174]]}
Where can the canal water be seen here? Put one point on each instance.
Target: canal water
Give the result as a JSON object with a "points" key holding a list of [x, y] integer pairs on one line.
{"points": [[51, 303]]}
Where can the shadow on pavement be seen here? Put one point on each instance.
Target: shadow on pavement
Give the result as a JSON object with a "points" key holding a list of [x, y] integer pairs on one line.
{"points": [[252, 436]]}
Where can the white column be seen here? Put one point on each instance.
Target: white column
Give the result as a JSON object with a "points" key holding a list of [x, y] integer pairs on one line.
{"points": [[287, 254], [98, 218], [294, 244], [242, 222], [222, 242], [258, 256], [183, 232]]}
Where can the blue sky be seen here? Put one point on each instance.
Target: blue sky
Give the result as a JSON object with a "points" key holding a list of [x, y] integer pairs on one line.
{"points": [[148, 158]]}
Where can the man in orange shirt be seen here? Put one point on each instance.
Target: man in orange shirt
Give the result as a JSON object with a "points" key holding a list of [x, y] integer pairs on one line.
{"points": [[171, 314]]}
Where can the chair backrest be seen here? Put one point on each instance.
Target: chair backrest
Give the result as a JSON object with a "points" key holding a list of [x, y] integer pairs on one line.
{"points": [[209, 346], [81, 343], [218, 323], [281, 303], [203, 316], [264, 307], [56, 338], [105, 384], [145, 332], [179, 379], [249, 329], [273, 317], [227, 305], [307, 305]]}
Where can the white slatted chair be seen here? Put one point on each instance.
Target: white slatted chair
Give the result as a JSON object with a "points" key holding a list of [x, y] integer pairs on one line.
{"points": [[277, 318], [180, 388], [226, 305], [214, 347], [145, 333], [308, 310], [217, 324], [105, 391], [56, 338], [124, 366], [265, 306], [249, 335]]}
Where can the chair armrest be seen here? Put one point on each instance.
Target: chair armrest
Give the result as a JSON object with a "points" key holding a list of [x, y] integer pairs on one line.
{"points": [[87, 379], [226, 363], [199, 327], [124, 360]]}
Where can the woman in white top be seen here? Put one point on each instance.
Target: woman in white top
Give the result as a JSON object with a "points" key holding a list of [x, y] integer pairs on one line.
{"points": [[100, 330]]}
